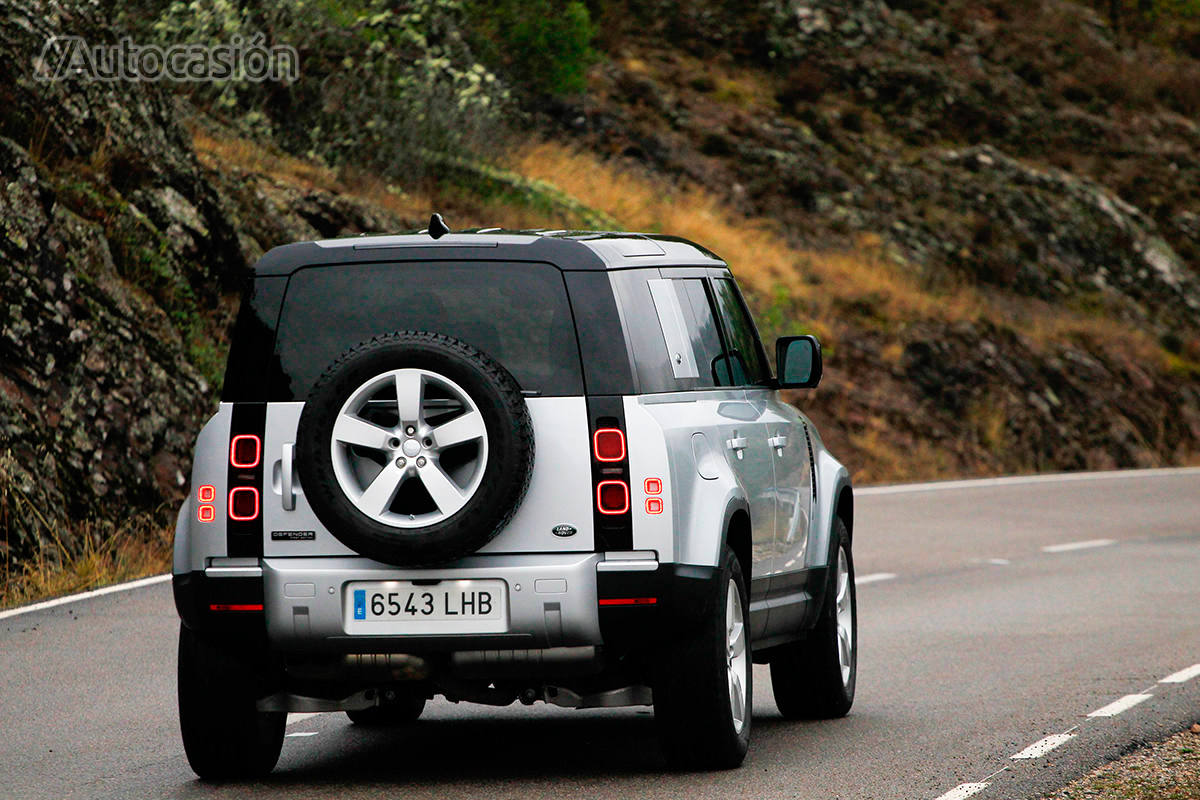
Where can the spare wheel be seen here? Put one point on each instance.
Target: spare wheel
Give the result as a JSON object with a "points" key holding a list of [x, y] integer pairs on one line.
{"points": [[415, 448]]}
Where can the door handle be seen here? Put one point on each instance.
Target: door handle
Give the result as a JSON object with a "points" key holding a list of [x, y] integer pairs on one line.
{"points": [[286, 478], [737, 444], [779, 442]]}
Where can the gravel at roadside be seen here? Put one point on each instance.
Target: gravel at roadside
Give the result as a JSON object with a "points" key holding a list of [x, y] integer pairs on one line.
{"points": [[1168, 770]]}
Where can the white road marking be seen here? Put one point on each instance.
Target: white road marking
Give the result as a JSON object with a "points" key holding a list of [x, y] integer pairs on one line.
{"points": [[294, 718], [1117, 706], [874, 577], [999, 562], [1043, 746], [1183, 676], [1022, 480], [964, 790], [119, 587], [1066, 547], [299, 734]]}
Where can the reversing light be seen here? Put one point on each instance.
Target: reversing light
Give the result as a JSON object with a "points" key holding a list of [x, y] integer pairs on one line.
{"points": [[206, 513], [206, 494], [612, 497], [244, 451], [243, 503], [608, 444]]}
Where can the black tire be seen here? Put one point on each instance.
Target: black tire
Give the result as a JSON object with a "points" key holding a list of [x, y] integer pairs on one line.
{"points": [[806, 676], [692, 699], [505, 477], [224, 735], [402, 711]]}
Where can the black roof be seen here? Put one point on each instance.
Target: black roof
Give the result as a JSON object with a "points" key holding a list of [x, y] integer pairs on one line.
{"points": [[568, 250]]}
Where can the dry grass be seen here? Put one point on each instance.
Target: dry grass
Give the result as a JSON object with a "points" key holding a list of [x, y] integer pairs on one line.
{"points": [[138, 548], [826, 282]]}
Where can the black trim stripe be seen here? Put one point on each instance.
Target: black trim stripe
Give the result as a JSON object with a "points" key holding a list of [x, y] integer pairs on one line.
{"points": [[245, 538], [613, 531]]}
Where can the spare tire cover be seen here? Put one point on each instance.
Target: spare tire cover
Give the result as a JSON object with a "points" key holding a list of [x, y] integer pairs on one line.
{"points": [[415, 448]]}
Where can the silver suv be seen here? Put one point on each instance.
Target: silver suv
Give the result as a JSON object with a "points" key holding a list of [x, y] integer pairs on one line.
{"points": [[508, 465]]}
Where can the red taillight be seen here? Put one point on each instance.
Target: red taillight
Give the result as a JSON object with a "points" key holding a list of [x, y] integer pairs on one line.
{"points": [[243, 503], [206, 513], [244, 451], [628, 601], [653, 485], [608, 444], [654, 505], [612, 497], [235, 607], [206, 494]]}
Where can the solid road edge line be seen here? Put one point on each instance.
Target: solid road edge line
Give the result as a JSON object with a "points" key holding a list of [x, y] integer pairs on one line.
{"points": [[1021, 480], [71, 598]]}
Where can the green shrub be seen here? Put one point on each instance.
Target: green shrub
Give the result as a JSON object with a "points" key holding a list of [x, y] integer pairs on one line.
{"points": [[541, 46]]}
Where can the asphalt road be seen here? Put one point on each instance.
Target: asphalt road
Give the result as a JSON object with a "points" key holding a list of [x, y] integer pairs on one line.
{"points": [[982, 644]]}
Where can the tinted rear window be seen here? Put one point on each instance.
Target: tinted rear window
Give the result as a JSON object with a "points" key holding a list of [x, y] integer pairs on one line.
{"points": [[516, 313]]}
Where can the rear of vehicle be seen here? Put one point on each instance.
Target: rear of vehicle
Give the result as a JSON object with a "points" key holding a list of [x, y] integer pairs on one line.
{"points": [[500, 467]]}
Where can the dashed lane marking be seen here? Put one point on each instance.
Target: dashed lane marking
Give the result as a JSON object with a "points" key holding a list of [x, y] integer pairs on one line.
{"points": [[1085, 545], [1043, 746], [964, 790], [874, 577], [1183, 676], [1117, 706]]}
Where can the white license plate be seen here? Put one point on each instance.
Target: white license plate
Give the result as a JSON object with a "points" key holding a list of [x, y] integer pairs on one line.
{"points": [[449, 606]]}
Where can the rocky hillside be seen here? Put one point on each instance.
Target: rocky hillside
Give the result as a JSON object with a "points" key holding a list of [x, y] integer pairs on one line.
{"points": [[990, 212]]}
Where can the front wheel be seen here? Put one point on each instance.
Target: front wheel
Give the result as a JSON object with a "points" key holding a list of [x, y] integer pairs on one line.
{"points": [[703, 691], [814, 678], [224, 735]]}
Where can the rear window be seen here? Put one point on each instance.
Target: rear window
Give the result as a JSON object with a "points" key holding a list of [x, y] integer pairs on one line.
{"points": [[516, 313]]}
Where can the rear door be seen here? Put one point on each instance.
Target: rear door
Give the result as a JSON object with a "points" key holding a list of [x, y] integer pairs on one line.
{"points": [[517, 313], [684, 302]]}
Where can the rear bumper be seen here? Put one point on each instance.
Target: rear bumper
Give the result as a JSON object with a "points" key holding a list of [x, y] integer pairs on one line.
{"points": [[553, 600]]}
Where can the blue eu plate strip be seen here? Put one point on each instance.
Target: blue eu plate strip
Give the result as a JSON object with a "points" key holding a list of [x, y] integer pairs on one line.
{"points": [[360, 603]]}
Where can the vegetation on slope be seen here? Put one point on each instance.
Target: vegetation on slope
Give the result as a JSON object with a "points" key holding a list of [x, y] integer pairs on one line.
{"points": [[988, 211]]}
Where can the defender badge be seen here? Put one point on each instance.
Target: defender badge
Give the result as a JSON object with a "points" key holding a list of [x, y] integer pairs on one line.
{"points": [[564, 530]]}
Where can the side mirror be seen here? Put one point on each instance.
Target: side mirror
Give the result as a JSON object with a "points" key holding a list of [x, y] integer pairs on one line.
{"points": [[798, 362]]}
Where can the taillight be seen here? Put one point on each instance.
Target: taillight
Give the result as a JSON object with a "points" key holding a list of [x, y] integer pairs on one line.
{"points": [[245, 450], [243, 503], [654, 505], [608, 444], [206, 511], [653, 485], [612, 497]]}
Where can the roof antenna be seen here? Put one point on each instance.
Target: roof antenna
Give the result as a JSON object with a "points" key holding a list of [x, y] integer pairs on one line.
{"points": [[438, 227]]}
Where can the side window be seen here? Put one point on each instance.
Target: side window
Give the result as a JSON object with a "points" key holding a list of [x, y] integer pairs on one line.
{"points": [[690, 331], [702, 327], [747, 364]]}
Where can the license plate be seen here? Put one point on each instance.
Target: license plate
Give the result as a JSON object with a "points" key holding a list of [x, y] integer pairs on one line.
{"points": [[449, 606]]}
